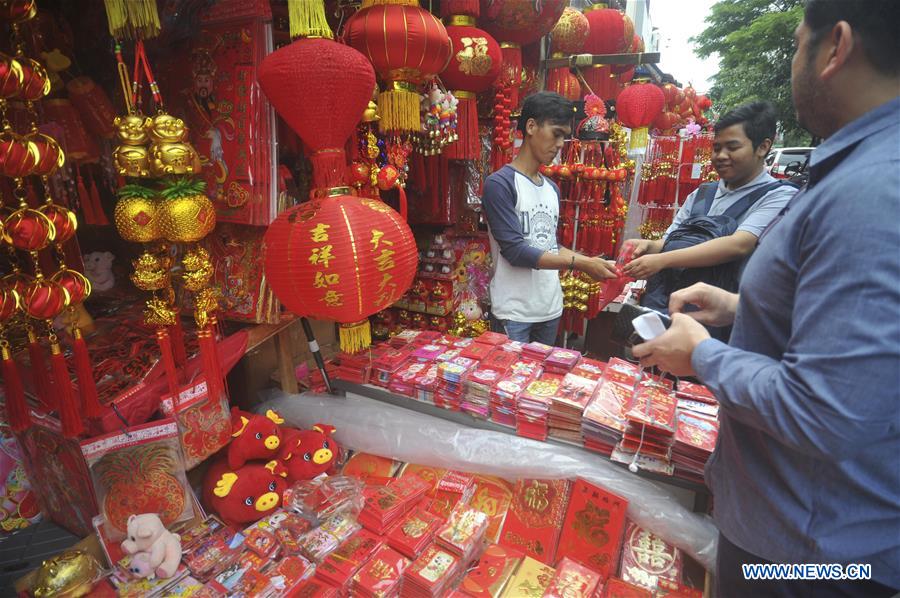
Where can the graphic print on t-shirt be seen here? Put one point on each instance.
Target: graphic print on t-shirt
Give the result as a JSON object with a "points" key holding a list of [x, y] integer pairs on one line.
{"points": [[539, 225]]}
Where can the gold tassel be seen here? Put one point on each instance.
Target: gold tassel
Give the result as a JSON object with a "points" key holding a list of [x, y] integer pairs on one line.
{"points": [[368, 3], [638, 138], [399, 110], [132, 19], [355, 336], [307, 19]]}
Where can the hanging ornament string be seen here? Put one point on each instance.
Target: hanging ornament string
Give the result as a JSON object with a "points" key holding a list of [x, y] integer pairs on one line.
{"points": [[124, 81], [148, 72]]}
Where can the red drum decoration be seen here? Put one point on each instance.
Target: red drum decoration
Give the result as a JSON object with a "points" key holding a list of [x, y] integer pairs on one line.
{"points": [[637, 107], [45, 299], [78, 144], [407, 46], [337, 256], [473, 68], [93, 105], [28, 230], [64, 221], [75, 283], [49, 156]]}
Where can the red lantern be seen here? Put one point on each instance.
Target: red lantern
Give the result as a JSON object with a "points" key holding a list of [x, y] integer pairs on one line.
{"points": [[473, 68], [704, 103], [17, 11], [665, 122], [515, 23], [602, 81], [76, 141], [64, 222], [627, 45], [10, 76], [637, 107], [607, 30], [335, 257], [93, 105], [563, 82], [406, 45], [45, 299], [35, 80], [570, 33], [75, 283], [49, 156], [673, 95], [28, 230], [470, 8], [9, 303]]}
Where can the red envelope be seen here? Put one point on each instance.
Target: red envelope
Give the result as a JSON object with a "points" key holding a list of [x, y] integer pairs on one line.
{"points": [[535, 518]]}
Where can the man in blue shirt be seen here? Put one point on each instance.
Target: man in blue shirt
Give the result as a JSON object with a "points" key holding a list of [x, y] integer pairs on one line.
{"points": [[807, 466]]}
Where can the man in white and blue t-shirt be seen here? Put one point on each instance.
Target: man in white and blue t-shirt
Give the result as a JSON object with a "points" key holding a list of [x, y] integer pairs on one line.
{"points": [[522, 209]]}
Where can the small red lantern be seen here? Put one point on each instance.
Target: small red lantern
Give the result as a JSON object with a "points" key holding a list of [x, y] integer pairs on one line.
{"points": [[674, 96], [637, 107], [64, 221], [49, 156], [75, 283], [10, 76], [35, 80], [17, 155], [665, 122], [407, 45], [337, 256], [9, 303], [45, 299], [474, 65], [28, 230]]}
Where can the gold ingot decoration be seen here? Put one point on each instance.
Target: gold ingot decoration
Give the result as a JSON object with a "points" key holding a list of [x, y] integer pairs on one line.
{"points": [[159, 312], [206, 302], [151, 272], [198, 269], [71, 574]]}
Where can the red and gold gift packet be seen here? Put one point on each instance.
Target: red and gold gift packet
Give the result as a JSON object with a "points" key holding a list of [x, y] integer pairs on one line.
{"points": [[535, 518], [381, 575], [494, 570]]}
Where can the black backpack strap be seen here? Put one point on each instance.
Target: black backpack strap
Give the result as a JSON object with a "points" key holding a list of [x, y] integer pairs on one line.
{"points": [[706, 193], [738, 208]]}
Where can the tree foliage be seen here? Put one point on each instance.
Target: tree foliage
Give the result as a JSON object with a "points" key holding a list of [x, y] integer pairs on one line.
{"points": [[754, 41]]}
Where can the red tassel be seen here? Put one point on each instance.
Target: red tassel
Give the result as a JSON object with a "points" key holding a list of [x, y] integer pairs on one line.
{"points": [[402, 194], [90, 402], [176, 332], [210, 358], [16, 407], [468, 146], [168, 360], [84, 199], [42, 386], [96, 206], [72, 425]]}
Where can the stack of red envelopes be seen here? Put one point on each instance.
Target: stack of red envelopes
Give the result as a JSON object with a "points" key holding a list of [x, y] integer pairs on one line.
{"points": [[536, 351], [572, 580], [341, 565], [381, 576], [593, 528], [431, 574], [413, 533], [387, 504], [567, 408], [534, 405], [695, 440], [535, 517], [463, 532], [561, 361], [651, 422], [604, 417]]}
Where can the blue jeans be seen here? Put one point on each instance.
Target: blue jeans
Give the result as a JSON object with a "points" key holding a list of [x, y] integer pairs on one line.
{"points": [[526, 332]]}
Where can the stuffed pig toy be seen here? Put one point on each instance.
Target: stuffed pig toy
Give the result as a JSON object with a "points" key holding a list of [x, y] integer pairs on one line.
{"points": [[245, 494], [254, 437], [308, 453], [154, 549]]}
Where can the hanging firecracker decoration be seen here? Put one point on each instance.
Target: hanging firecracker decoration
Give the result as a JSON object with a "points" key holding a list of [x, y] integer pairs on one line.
{"points": [[337, 256], [473, 68], [407, 46], [637, 107], [567, 37]]}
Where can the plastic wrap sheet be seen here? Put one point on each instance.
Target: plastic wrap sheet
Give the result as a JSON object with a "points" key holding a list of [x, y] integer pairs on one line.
{"points": [[374, 427]]}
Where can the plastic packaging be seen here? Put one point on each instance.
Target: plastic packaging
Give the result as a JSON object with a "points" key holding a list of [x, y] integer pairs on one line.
{"points": [[375, 427], [323, 497]]}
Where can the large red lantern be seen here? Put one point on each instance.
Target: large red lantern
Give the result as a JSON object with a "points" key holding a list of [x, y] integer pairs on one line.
{"points": [[567, 37], [515, 23], [473, 68], [337, 256], [407, 45], [637, 107], [607, 36]]}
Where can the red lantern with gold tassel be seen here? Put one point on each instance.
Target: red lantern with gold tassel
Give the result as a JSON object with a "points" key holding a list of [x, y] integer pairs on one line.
{"points": [[567, 37], [473, 68], [337, 256], [407, 46], [637, 107]]}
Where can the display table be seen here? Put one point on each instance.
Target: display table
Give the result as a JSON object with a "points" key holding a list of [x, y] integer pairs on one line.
{"points": [[700, 491]]}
